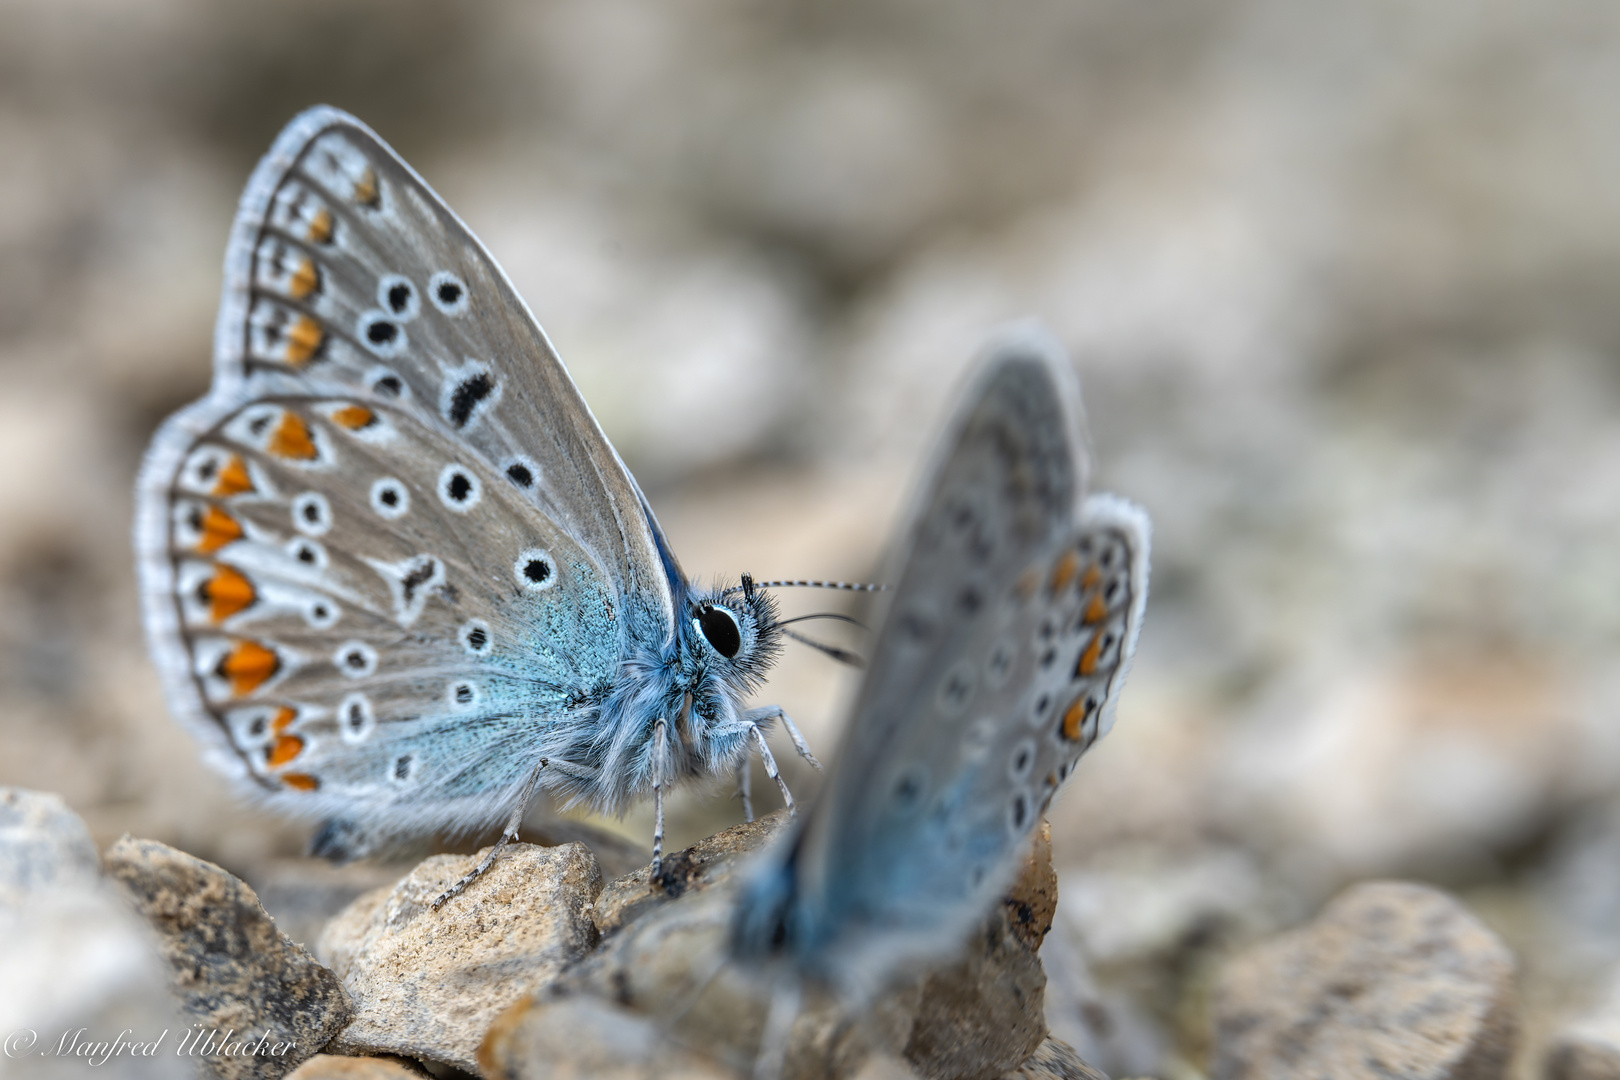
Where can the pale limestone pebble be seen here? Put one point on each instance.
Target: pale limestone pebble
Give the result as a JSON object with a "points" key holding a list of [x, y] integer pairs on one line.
{"points": [[615, 855], [1585, 1052], [692, 869], [336, 1067], [231, 969], [1390, 979], [80, 968], [1055, 1059], [972, 1020], [427, 984]]}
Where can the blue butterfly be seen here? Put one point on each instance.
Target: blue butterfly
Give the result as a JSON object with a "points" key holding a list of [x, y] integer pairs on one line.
{"points": [[999, 663], [394, 576]]}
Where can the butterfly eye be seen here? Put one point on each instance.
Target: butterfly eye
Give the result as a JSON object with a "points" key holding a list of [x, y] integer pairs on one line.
{"points": [[720, 627]]}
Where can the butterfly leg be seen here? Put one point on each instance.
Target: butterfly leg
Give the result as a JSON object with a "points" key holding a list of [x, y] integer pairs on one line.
{"points": [[774, 712], [769, 761], [512, 825], [660, 746], [745, 783]]}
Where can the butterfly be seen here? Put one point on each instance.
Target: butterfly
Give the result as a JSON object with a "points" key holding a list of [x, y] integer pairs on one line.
{"points": [[393, 574], [999, 663]]}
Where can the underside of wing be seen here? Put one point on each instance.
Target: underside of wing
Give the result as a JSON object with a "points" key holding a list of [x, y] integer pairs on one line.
{"points": [[360, 616], [347, 274]]}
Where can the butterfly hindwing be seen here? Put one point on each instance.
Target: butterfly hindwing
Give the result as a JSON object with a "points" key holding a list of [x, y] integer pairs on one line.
{"points": [[373, 617]]}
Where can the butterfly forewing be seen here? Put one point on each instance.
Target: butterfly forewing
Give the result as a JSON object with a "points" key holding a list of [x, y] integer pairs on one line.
{"points": [[1000, 658], [355, 273]]}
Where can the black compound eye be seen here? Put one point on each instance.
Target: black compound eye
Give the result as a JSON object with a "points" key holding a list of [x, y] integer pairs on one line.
{"points": [[719, 625]]}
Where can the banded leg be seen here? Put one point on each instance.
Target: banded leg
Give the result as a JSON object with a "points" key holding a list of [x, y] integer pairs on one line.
{"points": [[769, 761], [745, 784], [507, 836], [766, 713], [660, 747]]}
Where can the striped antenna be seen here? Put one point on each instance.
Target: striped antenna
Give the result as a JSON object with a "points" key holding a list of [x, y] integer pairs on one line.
{"points": [[847, 586]]}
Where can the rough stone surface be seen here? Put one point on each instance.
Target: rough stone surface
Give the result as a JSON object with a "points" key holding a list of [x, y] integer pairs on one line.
{"points": [[1590, 1048], [974, 1020], [333, 1067], [76, 961], [1391, 979], [1055, 1059], [586, 1038], [232, 970], [426, 984], [615, 855], [698, 867], [991, 1005]]}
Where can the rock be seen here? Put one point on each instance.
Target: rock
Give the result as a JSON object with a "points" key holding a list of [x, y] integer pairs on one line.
{"points": [[698, 867], [43, 845], [425, 983], [1391, 979], [973, 1020], [333, 1067], [615, 855], [990, 1006], [81, 969], [586, 1038], [267, 1001], [1055, 1060]]}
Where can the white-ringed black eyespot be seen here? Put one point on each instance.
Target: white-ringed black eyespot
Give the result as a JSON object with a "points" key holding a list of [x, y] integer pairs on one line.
{"points": [[720, 628]]}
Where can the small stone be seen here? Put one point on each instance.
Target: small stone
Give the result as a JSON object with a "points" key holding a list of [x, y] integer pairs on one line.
{"points": [[333, 1067], [426, 984], [700, 866], [1590, 1048], [80, 968], [614, 854], [42, 844], [1055, 1059], [1391, 979], [235, 974], [586, 1038], [973, 1020]]}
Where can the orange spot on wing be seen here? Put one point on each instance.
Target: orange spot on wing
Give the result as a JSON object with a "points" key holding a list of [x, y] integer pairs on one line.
{"points": [[229, 591], [354, 417], [304, 340], [1092, 577], [1074, 718], [320, 227], [247, 667], [1096, 610], [218, 529], [1063, 572], [1088, 659], [292, 438], [305, 280], [366, 192], [301, 781], [284, 717], [286, 748], [233, 479]]}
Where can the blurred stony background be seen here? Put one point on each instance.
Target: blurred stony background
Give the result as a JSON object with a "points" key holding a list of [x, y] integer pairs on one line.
{"points": [[1339, 276]]}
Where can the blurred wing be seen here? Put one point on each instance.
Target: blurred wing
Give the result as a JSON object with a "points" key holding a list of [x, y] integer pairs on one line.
{"points": [[999, 664]]}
